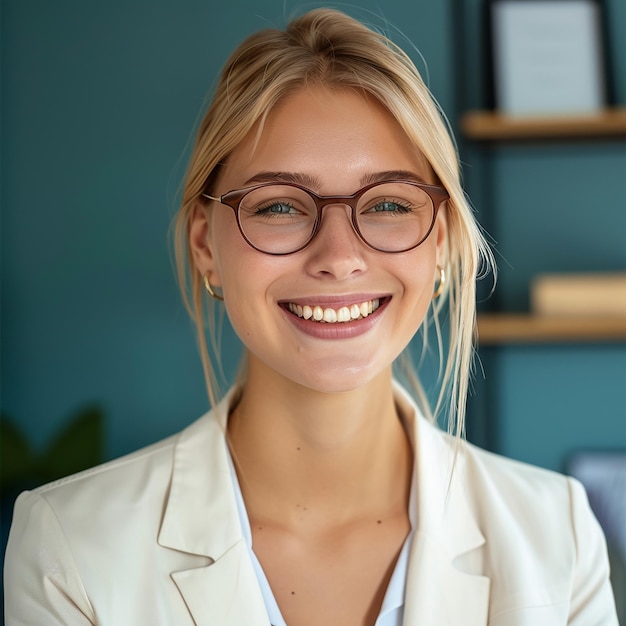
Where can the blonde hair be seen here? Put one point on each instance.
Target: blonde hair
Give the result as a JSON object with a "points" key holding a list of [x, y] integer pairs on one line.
{"points": [[326, 47]]}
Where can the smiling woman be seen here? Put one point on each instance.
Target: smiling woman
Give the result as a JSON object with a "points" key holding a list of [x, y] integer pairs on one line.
{"points": [[323, 209], [325, 253]]}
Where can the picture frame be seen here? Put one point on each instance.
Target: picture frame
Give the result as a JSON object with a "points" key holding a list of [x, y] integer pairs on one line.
{"points": [[603, 474], [547, 57]]}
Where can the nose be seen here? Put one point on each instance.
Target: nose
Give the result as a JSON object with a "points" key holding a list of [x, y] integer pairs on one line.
{"points": [[336, 251]]}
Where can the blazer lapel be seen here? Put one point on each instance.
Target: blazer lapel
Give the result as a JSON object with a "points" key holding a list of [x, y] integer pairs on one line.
{"points": [[201, 521], [438, 593], [225, 592], [444, 581]]}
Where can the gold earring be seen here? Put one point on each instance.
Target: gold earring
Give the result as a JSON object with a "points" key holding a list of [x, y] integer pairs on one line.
{"points": [[442, 282], [207, 286]]}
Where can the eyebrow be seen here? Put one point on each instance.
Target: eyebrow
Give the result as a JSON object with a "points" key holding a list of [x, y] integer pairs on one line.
{"points": [[312, 182], [298, 178], [378, 177]]}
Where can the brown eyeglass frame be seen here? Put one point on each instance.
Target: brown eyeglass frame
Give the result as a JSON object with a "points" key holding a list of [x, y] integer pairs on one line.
{"points": [[233, 200]]}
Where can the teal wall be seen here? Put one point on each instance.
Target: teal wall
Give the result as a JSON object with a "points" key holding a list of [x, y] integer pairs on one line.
{"points": [[98, 102]]}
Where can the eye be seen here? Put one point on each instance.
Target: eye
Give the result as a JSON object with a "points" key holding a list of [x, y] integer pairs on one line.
{"points": [[276, 208], [391, 206]]}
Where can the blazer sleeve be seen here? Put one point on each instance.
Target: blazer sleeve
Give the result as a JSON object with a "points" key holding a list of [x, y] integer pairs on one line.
{"points": [[42, 584], [592, 601]]}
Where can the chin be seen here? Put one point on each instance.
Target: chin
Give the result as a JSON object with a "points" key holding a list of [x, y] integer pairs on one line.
{"points": [[336, 380]]}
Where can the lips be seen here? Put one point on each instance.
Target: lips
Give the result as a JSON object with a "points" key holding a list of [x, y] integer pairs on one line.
{"points": [[329, 315]]}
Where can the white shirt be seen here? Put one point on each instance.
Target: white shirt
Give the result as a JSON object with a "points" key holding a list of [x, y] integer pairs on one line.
{"points": [[392, 609]]}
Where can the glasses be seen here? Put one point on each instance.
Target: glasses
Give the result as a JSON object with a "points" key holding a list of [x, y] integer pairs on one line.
{"points": [[391, 216]]}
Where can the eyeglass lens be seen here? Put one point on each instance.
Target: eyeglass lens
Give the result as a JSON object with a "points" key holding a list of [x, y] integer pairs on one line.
{"points": [[390, 217]]}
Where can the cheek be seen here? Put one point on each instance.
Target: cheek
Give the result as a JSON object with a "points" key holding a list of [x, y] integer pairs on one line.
{"points": [[241, 274], [229, 247], [419, 269], [246, 277], [418, 275]]}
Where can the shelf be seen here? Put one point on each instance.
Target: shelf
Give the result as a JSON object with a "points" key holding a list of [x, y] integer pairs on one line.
{"points": [[490, 126], [497, 329]]}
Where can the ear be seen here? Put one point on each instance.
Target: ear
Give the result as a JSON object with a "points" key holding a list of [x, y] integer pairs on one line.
{"points": [[201, 244]]}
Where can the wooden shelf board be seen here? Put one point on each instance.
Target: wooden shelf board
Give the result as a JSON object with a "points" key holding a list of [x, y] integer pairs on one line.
{"points": [[494, 329], [490, 126]]}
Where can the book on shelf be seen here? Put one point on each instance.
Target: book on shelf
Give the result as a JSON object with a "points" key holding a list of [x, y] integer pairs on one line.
{"points": [[602, 294]]}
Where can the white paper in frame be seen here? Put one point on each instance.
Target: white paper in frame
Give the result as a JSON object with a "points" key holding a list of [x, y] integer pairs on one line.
{"points": [[547, 57]]}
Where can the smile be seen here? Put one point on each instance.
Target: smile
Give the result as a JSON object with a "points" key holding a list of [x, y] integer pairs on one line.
{"points": [[333, 316]]}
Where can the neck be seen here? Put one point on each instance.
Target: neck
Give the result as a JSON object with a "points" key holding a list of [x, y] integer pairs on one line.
{"points": [[337, 455]]}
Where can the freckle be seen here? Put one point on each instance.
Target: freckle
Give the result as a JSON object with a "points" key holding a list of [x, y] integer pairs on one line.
{"points": [[298, 449], [305, 509], [379, 522], [260, 527], [293, 593]]}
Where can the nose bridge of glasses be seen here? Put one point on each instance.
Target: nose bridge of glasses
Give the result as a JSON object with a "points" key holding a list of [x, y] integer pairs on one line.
{"points": [[343, 230], [348, 203]]}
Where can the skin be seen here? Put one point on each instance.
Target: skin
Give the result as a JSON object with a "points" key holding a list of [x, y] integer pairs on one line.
{"points": [[322, 458]]}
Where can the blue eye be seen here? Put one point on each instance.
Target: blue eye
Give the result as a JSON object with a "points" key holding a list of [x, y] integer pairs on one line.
{"points": [[389, 206], [276, 208]]}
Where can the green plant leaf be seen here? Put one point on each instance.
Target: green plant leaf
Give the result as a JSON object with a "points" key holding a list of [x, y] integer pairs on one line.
{"points": [[16, 457], [79, 446]]}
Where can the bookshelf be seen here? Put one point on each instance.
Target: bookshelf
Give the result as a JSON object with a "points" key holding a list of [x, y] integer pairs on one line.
{"points": [[492, 126], [501, 329], [515, 328]]}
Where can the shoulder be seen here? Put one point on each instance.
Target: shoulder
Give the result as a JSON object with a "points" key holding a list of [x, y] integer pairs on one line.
{"points": [[484, 474], [517, 501], [115, 483], [70, 539], [510, 479], [531, 497], [148, 459], [131, 491], [512, 498], [513, 503], [490, 486], [540, 536], [133, 487]]}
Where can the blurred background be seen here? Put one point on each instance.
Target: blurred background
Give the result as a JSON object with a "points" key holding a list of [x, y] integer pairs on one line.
{"points": [[99, 102]]}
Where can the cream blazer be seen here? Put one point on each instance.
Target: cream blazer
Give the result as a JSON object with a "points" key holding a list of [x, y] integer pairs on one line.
{"points": [[154, 539]]}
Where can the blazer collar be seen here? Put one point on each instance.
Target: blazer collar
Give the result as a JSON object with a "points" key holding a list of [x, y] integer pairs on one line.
{"points": [[201, 519], [439, 591], [201, 497]]}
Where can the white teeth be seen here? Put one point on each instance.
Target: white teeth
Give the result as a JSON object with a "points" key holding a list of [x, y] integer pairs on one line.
{"points": [[333, 316], [343, 314], [330, 316]]}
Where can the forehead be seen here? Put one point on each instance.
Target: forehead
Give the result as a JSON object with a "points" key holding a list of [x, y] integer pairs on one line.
{"points": [[334, 137]]}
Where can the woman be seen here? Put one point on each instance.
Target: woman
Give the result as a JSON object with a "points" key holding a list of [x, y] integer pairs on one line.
{"points": [[323, 207]]}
